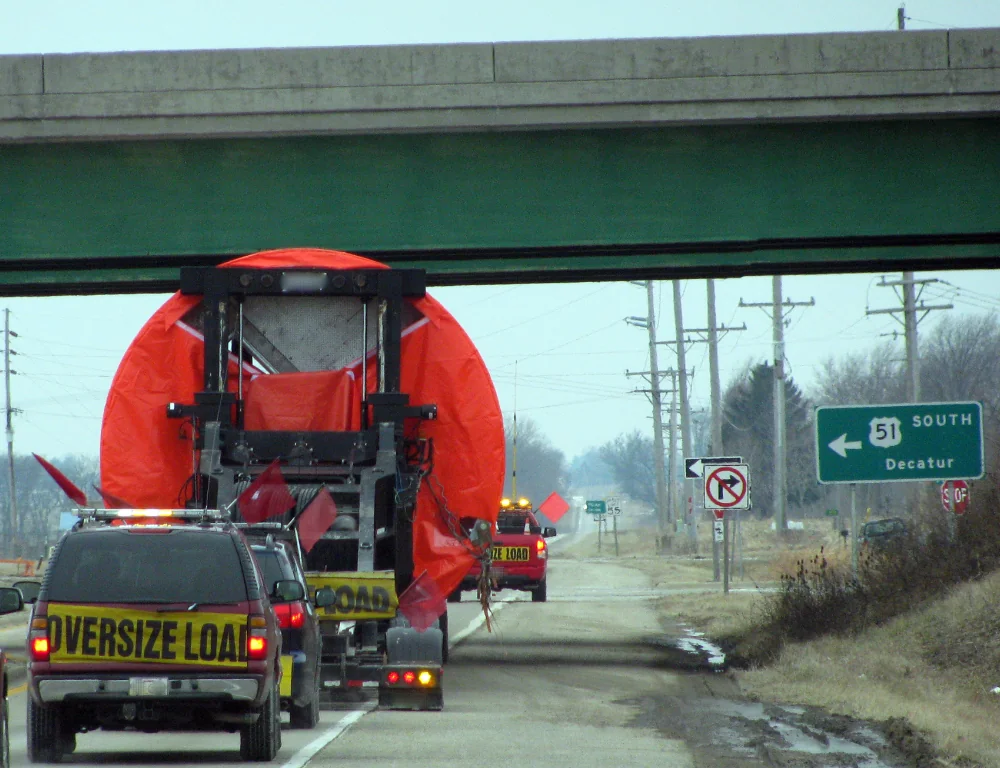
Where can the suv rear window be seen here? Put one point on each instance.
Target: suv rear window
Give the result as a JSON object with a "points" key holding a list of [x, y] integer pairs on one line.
{"points": [[180, 566], [274, 566]]}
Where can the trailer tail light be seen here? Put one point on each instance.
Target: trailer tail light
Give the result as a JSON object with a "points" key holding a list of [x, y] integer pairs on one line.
{"points": [[290, 615], [411, 686], [257, 639], [38, 640], [415, 677]]}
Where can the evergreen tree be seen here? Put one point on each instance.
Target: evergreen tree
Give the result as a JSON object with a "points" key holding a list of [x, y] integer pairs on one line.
{"points": [[748, 431]]}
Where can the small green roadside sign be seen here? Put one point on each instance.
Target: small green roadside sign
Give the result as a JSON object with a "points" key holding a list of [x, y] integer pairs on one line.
{"points": [[898, 443], [596, 508]]}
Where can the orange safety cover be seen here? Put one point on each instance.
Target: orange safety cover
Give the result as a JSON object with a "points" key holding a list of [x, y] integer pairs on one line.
{"points": [[147, 459], [313, 401]]}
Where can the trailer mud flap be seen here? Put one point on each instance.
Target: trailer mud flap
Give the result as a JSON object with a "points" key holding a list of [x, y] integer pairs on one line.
{"points": [[411, 686]]}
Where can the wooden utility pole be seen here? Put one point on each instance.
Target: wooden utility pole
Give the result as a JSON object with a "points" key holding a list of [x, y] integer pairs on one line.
{"points": [[649, 323], [7, 333], [777, 307], [682, 374], [912, 305]]}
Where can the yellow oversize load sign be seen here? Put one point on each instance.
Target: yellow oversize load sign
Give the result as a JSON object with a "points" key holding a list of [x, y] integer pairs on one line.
{"points": [[85, 633], [370, 595]]}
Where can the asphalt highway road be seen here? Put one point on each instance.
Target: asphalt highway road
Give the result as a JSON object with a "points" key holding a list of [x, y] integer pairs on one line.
{"points": [[596, 677]]}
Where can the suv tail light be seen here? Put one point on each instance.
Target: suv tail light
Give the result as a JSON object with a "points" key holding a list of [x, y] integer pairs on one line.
{"points": [[38, 640], [257, 639], [290, 615]]}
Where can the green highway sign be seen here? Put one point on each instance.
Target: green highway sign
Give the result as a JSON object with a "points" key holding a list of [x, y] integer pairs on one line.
{"points": [[897, 443], [832, 513], [596, 508]]}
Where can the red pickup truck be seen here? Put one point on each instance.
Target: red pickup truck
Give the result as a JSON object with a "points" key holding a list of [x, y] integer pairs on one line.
{"points": [[520, 553]]}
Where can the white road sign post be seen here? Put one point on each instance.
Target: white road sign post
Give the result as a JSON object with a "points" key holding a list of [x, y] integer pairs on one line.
{"points": [[614, 508], [694, 468], [726, 486]]}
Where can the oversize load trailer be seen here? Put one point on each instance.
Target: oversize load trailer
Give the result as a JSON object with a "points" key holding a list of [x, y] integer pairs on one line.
{"points": [[354, 381]]}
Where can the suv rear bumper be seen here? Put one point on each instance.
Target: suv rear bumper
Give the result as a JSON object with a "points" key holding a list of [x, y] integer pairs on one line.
{"points": [[235, 689], [506, 581]]}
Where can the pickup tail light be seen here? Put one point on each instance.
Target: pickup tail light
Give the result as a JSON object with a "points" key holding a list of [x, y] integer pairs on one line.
{"points": [[541, 549], [38, 640], [290, 615], [257, 639]]}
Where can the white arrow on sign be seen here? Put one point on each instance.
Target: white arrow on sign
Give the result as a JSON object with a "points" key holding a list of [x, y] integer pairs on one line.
{"points": [[841, 446]]}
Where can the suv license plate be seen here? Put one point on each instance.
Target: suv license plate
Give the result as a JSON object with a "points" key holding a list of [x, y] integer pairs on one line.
{"points": [[147, 686]]}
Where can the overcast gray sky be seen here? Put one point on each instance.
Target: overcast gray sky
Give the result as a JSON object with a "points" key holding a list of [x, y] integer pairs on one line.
{"points": [[569, 342]]}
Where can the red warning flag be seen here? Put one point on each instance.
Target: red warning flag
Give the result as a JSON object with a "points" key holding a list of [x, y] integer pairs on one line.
{"points": [[554, 507], [266, 496], [422, 602], [111, 501], [67, 485], [316, 519]]}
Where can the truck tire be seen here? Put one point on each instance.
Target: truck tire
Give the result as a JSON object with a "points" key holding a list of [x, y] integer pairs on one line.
{"points": [[260, 741], [443, 626], [456, 596], [44, 733], [306, 716], [404, 645], [5, 736], [538, 594]]}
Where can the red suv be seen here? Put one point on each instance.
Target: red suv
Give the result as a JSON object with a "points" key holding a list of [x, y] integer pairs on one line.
{"points": [[520, 553], [154, 620]]}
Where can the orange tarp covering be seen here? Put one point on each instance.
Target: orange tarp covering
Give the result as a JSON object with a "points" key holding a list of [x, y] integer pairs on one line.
{"points": [[147, 459], [315, 401]]}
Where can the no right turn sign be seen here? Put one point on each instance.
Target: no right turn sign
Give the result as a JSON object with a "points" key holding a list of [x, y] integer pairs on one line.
{"points": [[727, 486]]}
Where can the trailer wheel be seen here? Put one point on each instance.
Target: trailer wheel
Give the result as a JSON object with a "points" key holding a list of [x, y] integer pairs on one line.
{"points": [[44, 733], [306, 716], [404, 645], [538, 595]]}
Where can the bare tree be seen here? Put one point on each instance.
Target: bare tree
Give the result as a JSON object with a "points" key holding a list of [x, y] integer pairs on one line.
{"points": [[40, 502], [630, 457], [864, 378], [541, 467]]}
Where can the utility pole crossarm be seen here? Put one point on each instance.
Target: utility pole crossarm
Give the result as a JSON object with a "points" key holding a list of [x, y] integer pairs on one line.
{"points": [[910, 320]]}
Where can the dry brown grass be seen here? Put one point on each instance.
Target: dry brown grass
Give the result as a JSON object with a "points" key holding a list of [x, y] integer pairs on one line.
{"points": [[935, 667]]}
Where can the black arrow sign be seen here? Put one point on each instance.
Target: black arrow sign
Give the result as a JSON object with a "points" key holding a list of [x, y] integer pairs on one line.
{"points": [[732, 481]]}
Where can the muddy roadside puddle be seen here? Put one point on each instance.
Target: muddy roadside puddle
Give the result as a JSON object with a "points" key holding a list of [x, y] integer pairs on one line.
{"points": [[724, 730]]}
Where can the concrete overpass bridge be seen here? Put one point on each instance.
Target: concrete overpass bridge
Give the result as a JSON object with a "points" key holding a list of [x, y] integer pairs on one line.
{"points": [[506, 162]]}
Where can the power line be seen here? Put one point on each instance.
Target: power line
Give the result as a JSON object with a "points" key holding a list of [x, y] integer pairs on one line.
{"points": [[538, 317]]}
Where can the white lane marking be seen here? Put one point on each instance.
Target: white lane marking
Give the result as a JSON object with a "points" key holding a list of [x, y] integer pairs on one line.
{"points": [[309, 751]]}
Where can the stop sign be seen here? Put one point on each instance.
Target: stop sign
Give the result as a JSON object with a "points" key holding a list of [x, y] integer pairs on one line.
{"points": [[955, 492]]}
